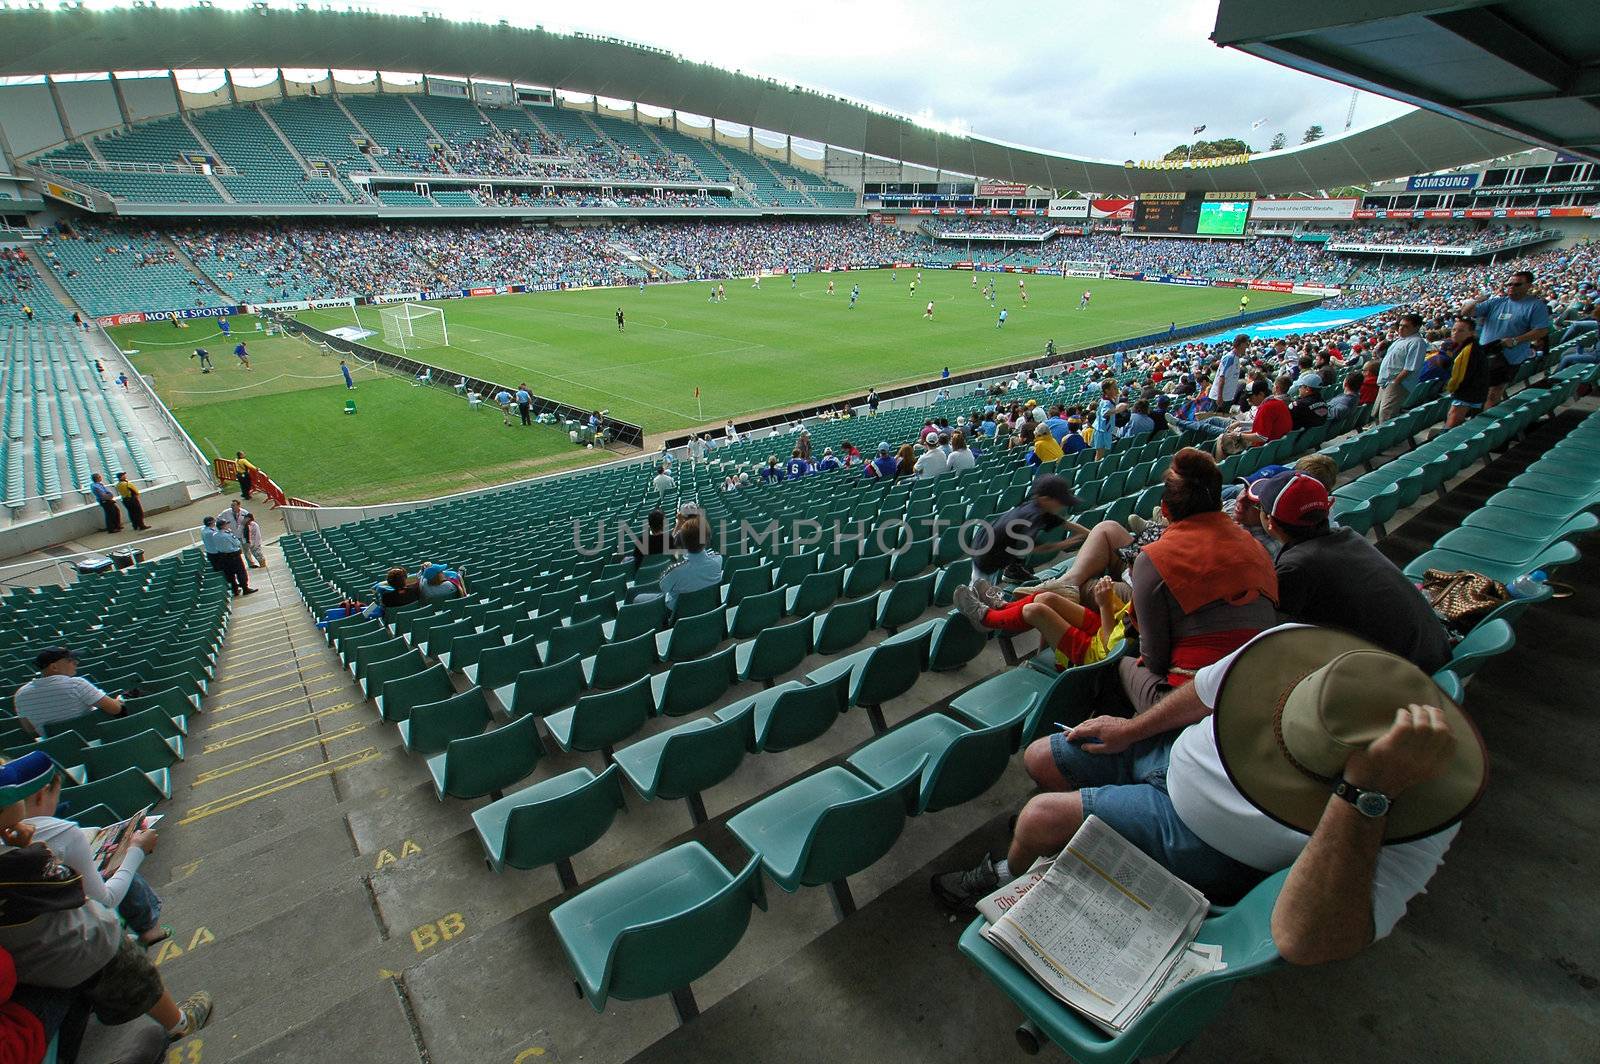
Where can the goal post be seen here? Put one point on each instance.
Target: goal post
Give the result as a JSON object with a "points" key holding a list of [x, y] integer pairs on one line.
{"points": [[410, 326]]}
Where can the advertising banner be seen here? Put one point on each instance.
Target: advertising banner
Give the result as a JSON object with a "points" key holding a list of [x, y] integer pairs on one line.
{"points": [[995, 188], [1323, 210], [192, 312], [1119, 209], [1069, 208], [1271, 286], [1191, 282], [69, 195], [109, 320], [1454, 250], [1441, 183], [398, 297]]}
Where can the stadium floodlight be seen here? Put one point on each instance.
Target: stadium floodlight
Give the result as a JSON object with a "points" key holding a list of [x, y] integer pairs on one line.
{"points": [[411, 326]]}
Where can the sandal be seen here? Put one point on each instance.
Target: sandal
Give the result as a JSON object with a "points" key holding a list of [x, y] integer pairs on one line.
{"points": [[166, 933]]}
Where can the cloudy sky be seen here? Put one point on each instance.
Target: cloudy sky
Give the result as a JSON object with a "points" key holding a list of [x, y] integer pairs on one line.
{"points": [[1126, 80]]}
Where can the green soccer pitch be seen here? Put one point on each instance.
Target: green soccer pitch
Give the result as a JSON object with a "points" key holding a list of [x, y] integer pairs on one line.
{"points": [[770, 349], [783, 346]]}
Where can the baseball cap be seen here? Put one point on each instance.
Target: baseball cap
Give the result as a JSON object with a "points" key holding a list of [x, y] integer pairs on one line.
{"points": [[431, 571], [1262, 474], [883, 447], [50, 655], [25, 777], [1296, 499], [1051, 486]]}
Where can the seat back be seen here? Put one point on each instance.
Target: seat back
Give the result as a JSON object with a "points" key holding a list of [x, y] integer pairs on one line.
{"points": [[619, 663], [779, 649], [656, 958], [694, 636], [583, 638], [547, 689], [432, 725], [605, 719], [967, 767], [381, 650], [636, 618], [892, 668], [553, 829], [694, 759], [398, 697], [800, 714], [693, 685], [906, 601], [1487, 639], [498, 666], [477, 765], [147, 751], [846, 624], [379, 673], [64, 748], [852, 835], [133, 723], [756, 612], [692, 603], [124, 793], [1071, 697], [956, 641]]}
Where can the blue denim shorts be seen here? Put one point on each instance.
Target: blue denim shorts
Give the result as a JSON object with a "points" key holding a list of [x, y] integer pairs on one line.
{"points": [[1129, 792], [141, 906]]}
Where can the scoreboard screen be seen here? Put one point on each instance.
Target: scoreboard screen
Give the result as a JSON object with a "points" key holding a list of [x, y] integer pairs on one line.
{"points": [[1158, 216], [1223, 218]]}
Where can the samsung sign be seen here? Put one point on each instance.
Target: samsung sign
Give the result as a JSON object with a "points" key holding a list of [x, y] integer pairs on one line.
{"points": [[1442, 183]]}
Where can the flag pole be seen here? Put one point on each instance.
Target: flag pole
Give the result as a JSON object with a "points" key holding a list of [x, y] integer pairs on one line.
{"points": [[699, 404]]}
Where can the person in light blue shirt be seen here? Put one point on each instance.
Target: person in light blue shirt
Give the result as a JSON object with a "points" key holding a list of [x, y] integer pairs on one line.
{"points": [[1401, 367], [700, 568], [1140, 423], [1105, 418], [1507, 327]]}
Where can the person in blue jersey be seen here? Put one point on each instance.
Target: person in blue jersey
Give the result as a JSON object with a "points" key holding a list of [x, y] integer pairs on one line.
{"points": [[1508, 326]]}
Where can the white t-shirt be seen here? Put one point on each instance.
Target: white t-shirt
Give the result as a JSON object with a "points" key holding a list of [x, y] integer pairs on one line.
{"points": [[662, 483], [1208, 803], [959, 460], [70, 843], [931, 464], [50, 699]]}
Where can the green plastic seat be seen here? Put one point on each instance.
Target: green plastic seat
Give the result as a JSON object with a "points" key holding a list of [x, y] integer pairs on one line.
{"points": [[1450, 684], [367, 653], [683, 761], [381, 672], [498, 666], [958, 763], [955, 642], [1486, 640], [94, 816], [866, 575], [399, 696], [913, 559], [952, 576], [64, 748], [906, 601], [148, 751], [433, 725], [600, 721], [441, 638], [467, 649], [171, 701], [477, 765], [755, 613], [693, 636], [152, 719], [618, 664], [548, 822], [792, 714], [745, 582], [124, 793], [583, 639], [543, 690], [693, 685], [774, 651], [880, 673], [815, 592], [1531, 526], [636, 618], [824, 828], [1245, 934], [1497, 569], [1524, 500], [656, 927], [87, 725], [693, 603], [845, 625], [1027, 694]]}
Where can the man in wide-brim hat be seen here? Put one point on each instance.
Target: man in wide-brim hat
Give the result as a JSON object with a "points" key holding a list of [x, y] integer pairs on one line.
{"points": [[1309, 749]]}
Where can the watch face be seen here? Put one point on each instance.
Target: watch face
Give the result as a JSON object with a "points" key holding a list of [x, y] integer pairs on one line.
{"points": [[1372, 804]]}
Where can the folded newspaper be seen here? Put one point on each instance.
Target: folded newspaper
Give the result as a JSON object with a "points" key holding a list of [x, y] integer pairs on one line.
{"points": [[108, 844], [1102, 927]]}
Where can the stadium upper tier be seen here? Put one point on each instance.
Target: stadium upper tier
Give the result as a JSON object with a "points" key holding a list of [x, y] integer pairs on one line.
{"points": [[127, 266], [372, 149]]}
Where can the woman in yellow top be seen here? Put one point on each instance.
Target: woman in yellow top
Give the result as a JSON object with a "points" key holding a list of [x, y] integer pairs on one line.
{"points": [[244, 469], [1046, 451], [131, 502]]}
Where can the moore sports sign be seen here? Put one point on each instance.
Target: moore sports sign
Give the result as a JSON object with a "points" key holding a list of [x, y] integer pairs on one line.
{"points": [[136, 317]]}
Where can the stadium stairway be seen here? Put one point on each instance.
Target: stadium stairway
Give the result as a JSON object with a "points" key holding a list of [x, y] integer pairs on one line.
{"points": [[51, 281], [190, 265], [335, 907]]}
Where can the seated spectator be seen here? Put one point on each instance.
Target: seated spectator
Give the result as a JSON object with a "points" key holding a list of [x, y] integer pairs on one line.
{"points": [[1308, 409], [828, 463], [59, 694], [655, 537], [1369, 382], [882, 467], [126, 892], [1340, 406], [932, 461], [772, 472], [662, 482], [699, 567], [960, 459], [1046, 451], [905, 461], [397, 589], [59, 938], [1079, 634], [1395, 767], [1007, 541], [435, 583], [1140, 423], [797, 466], [1335, 578]]}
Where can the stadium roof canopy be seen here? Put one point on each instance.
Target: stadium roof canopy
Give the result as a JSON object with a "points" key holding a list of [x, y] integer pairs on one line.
{"points": [[41, 40], [1528, 68]]}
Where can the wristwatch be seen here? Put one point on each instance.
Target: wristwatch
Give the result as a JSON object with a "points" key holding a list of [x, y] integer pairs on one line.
{"points": [[1374, 804]]}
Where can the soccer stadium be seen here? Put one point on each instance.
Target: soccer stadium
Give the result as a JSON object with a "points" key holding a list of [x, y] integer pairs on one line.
{"points": [[521, 545]]}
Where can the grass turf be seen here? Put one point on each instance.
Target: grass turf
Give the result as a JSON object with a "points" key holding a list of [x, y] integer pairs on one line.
{"points": [[775, 348], [783, 346], [287, 414]]}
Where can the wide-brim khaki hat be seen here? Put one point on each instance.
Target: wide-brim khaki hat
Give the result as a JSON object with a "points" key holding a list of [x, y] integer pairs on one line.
{"points": [[1296, 703]]}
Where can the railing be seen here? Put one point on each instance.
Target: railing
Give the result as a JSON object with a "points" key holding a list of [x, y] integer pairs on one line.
{"points": [[18, 574]]}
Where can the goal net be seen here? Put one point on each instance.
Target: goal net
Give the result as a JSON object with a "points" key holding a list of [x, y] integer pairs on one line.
{"points": [[410, 327], [1082, 268]]}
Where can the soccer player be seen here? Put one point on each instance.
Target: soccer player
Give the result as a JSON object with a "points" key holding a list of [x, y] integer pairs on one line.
{"points": [[1083, 303], [641, 286], [712, 298], [794, 280], [621, 324], [1000, 323], [205, 359], [756, 284], [974, 279], [1244, 301], [913, 289], [927, 315], [1023, 289], [222, 323], [855, 294], [830, 286], [894, 276], [722, 292], [919, 276]]}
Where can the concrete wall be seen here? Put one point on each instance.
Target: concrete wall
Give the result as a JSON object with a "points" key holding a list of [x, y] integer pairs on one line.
{"points": [[90, 105], [148, 97], [70, 523], [29, 118]]}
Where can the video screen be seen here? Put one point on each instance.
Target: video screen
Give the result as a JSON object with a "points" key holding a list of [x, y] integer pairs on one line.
{"points": [[1225, 218]]}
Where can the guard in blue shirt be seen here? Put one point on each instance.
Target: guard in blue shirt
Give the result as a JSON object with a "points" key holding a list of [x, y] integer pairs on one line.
{"points": [[1507, 327]]}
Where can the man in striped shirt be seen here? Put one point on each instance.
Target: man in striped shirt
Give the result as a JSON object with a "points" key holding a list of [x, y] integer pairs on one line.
{"points": [[58, 693]]}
